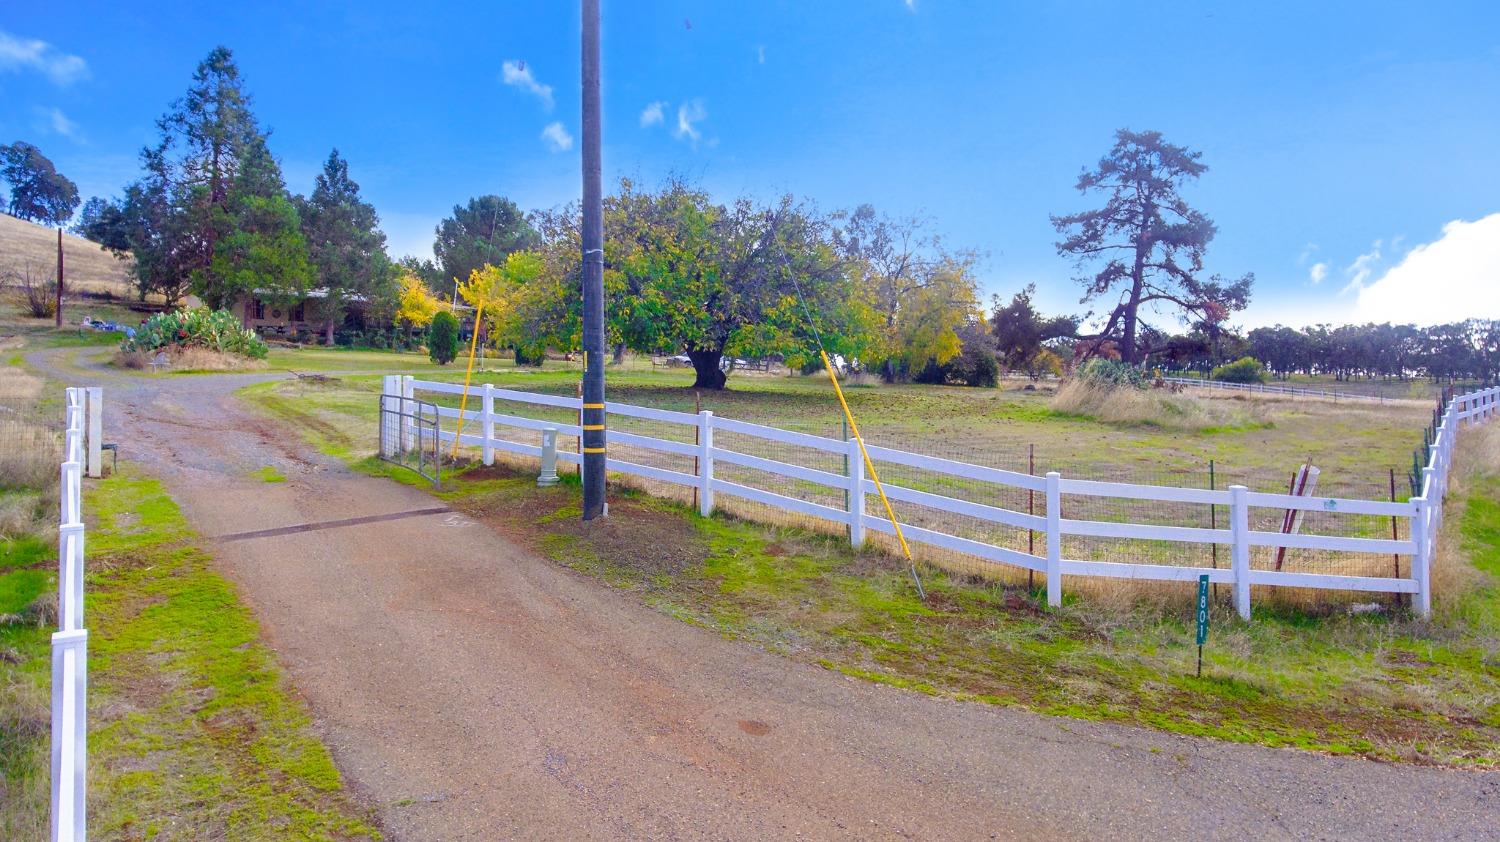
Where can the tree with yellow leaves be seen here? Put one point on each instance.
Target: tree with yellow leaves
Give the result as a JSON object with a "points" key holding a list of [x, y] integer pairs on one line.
{"points": [[416, 304], [499, 292]]}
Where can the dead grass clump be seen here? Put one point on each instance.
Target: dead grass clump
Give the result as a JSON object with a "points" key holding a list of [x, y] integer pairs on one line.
{"points": [[1155, 407], [189, 359], [19, 514], [18, 388], [24, 723], [29, 456]]}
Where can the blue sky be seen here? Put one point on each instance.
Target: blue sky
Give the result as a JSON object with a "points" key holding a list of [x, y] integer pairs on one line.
{"points": [[1353, 152]]}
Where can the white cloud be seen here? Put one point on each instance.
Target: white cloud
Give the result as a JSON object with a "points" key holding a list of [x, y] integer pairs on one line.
{"points": [[18, 54], [760, 53], [516, 74], [652, 114], [1317, 273], [1455, 277], [1361, 269], [911, 4], [557, 137], [53, 121], [689, 115]]}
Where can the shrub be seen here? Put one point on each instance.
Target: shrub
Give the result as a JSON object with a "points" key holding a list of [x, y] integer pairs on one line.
{"points": [[37, 293], [975, 367], [442, 338], [1103, 372], [1242, 370], [214, 330], [1043, 363]]}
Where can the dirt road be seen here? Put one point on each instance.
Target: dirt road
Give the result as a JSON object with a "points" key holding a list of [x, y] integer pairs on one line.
{"points": [[471, 690]]}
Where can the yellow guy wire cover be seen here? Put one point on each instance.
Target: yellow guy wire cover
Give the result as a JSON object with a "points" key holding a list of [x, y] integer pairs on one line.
{"points": [[870, 466], [473, 345]]}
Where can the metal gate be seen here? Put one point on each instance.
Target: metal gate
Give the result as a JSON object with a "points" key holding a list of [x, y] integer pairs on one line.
{"points": [[409, 435]]}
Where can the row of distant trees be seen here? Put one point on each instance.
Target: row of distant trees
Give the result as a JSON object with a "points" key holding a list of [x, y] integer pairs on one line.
{"points": [[1467, 350]]}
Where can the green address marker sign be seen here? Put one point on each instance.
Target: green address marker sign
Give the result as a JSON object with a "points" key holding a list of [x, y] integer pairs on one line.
{"points": [[1202, 609], [1202, 619]]}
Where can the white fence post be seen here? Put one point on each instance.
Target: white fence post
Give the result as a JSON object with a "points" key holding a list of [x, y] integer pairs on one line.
{"points": [[69, 735], [95, 404], [70, 576], [408, 409], [705, 463], [390, 388], [856, 494], [1421, 560], [1239, 530], [487, 416], [1054, 539]]}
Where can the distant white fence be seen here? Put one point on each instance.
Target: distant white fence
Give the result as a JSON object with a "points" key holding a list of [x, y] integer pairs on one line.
{"points": [[83, 412], [1273, 389], [1423, 513]]}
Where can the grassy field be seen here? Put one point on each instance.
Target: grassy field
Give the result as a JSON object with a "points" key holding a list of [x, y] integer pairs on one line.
{"points": [[193, 731], [86, 266]]}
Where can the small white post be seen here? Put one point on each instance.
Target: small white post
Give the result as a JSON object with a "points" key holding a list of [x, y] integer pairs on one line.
{"points": [[548, 476], [856, 494], [487, 416], [1421, 560], [69, 734], [705, 463], [95, 405], [1239, 530], [1054, 539]]}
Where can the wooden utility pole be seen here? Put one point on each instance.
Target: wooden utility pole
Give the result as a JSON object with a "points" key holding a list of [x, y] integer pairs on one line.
{"points": [[59, 276], [593, 274]]}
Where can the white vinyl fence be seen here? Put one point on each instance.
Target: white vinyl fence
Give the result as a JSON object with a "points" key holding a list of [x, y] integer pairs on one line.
{"points": [[701, 438], [83, 412]]}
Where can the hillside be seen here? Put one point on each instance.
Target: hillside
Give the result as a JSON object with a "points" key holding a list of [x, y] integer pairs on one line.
{"points": [[86, 266]]}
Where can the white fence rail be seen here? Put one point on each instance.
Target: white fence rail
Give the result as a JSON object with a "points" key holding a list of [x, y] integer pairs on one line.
{"points": [[83, 412], [1423, 513]]}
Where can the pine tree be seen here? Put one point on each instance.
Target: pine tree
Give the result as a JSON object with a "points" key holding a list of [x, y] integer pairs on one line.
{"points": [[260, 249], [345, 245]]}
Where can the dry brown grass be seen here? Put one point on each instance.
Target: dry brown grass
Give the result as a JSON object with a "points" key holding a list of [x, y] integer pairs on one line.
{"points": [[1155, 407], [23, 732], [20, 513], [18, 388], [189, 359], [29, 456], [86, 266]]}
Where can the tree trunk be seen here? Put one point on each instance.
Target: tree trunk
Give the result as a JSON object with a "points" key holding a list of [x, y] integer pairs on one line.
{"points": [[706, 366], [328, 334], [619, 353]]}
